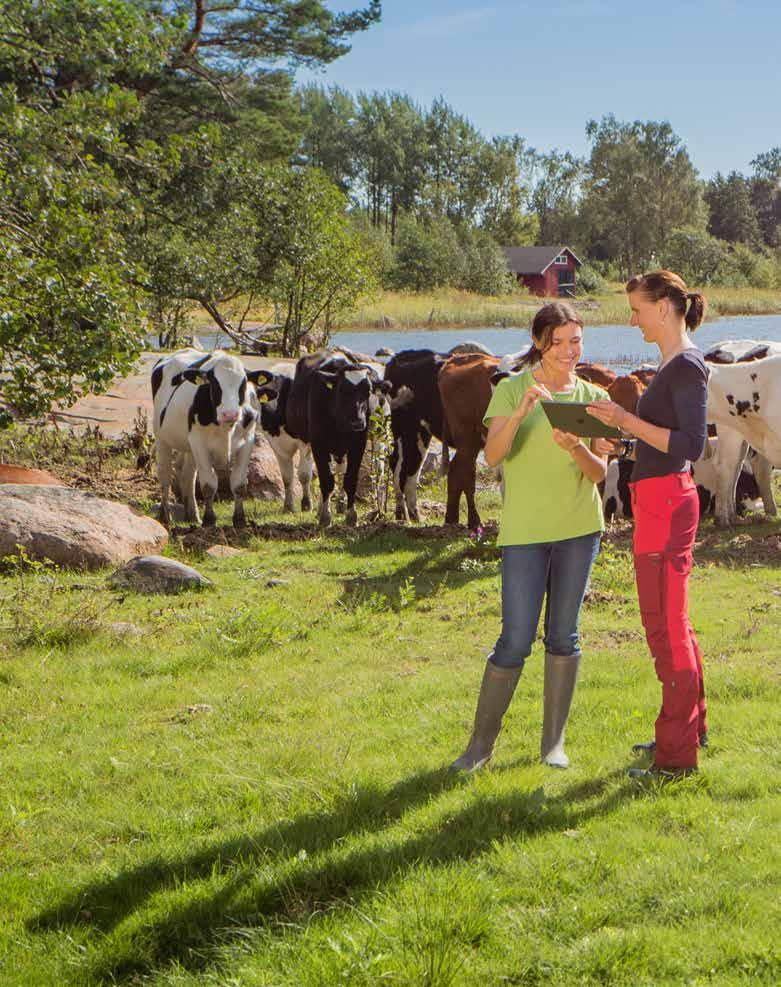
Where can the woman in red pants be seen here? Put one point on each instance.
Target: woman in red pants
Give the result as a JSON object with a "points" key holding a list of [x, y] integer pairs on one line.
{"points": [[670, 429]]}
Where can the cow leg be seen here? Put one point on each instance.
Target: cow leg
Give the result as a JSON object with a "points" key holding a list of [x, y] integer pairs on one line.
{"points": [[414, 463], [397, 468], [285, 460], [454, 487], [207, 476], [353, 466], [164, 458], [305, 469], [763, 474], [326, 480], [339, 468], [729, 460], [238, 480], [187, 488], [472, 517]]}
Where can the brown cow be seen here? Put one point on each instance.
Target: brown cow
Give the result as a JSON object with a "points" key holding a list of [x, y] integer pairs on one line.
{"points": [[595, 373], [26, 474], [644, 374], [626, 391], [465, 388]]}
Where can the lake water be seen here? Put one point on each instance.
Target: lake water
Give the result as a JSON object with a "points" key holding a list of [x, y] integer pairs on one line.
{"points": [[621, 347]]}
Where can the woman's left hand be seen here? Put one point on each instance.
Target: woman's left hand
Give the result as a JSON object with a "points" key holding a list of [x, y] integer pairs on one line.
{"points": [[566, 440], [608, 412]]}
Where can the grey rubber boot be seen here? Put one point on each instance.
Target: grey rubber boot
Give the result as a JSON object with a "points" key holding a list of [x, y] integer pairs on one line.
{"points": [[561, 674], [496, 692]]}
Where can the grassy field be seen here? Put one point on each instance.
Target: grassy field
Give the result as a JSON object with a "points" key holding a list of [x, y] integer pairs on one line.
{"points": [[449, 307], [247, 785]]}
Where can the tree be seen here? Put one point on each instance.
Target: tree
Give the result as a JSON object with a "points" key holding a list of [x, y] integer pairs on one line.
{"points": [[70, 319], [696, 255], [485, 264], [766, 195], [317, 263], [732, 214], [639, 186], [428, 255], [554, 196]]}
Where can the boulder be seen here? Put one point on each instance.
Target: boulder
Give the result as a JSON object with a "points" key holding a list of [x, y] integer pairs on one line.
{"points": [[73, 528], [156, 574], [26, 474], [385, 351]]}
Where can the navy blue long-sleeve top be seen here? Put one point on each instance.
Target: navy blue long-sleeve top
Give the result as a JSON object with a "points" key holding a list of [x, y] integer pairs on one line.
{"points": [[676, 399]]}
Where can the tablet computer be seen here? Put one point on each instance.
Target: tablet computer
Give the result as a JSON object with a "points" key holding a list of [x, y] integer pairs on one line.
{"points": [[571, 416]]}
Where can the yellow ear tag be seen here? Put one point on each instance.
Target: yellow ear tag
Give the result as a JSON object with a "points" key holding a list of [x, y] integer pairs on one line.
{"points": [[330, 386], [263, 398]]}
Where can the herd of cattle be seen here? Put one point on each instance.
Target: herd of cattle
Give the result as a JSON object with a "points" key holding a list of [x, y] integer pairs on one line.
{"points": [[208, 411]]}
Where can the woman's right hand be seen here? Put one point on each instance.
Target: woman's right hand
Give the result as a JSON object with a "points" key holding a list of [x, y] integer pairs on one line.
{"points": [[530, 398]]}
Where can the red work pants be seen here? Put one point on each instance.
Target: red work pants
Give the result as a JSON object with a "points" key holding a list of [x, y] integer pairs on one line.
{"points": [[666, 511]]}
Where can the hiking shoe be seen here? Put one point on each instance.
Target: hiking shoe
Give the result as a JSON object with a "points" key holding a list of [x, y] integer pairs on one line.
{"points": [[650, 745]]}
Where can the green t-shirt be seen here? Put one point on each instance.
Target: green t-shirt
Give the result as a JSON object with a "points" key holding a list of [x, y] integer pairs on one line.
{"points": [[546, 496]]}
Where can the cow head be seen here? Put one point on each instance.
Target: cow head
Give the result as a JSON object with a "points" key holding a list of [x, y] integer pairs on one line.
{"points": [[222, 384], [356, 393]]}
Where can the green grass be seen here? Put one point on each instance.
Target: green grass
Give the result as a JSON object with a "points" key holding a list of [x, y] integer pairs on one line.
{"points": [[302, 829], [450, 307]]}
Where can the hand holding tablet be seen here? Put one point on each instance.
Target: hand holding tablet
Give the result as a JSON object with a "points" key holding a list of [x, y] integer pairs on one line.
{"points": [[571, 416]]}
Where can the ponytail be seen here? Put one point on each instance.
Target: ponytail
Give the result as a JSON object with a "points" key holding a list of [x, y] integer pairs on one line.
{"points": [[695, 311]]}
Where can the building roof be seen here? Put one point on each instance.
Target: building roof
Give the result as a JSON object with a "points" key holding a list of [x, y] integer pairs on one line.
{"points": [[535, 260]]}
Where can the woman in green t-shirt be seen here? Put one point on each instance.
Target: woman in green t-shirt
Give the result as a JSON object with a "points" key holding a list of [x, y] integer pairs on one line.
{"points": [[549, 533]]}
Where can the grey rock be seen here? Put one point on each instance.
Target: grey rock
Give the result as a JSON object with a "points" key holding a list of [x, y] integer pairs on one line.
{"points": [[73, 528], [156, 574]]}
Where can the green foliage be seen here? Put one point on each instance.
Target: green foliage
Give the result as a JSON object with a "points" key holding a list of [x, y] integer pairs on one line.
{"points": [[639, 185], [590, 280], [485, 264], [732, 213], [70, 319], [428, 255]]}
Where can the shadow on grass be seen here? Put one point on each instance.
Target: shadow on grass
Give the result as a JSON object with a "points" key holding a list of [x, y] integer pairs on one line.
{"points": [[252, 889]]}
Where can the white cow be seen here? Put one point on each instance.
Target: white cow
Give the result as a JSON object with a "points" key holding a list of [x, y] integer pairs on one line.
{"points": [[736, 361], [205, 409]]}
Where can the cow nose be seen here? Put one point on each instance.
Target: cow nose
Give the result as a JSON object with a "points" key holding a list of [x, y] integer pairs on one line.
{"points": [[229, 416]]}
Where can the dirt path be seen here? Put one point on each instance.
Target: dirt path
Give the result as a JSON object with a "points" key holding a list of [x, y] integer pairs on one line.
{"points": [[115, 410]]}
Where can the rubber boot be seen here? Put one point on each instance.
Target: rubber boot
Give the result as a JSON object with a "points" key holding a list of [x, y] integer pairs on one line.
{"points": [[561, 674], [496, 692]]}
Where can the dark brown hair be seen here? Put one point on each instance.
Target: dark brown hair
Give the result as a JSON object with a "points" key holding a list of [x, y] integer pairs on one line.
{"points": [[690, 305], [549, 318]]}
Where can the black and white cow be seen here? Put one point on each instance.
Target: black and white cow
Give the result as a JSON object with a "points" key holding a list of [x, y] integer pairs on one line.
{"points": [[617, 501], [329, 406], [273, 424], [739, 365], [416, 416], [205, 409]]}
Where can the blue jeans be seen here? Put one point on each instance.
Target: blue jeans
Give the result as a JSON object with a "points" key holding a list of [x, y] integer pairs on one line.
{"points": [[558, 569]]}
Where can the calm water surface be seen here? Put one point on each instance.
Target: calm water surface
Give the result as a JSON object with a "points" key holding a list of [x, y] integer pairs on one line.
{"points": [[620, 346]]}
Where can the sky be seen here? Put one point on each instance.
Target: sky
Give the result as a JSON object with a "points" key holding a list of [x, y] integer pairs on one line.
{"points": [[542, 70]]}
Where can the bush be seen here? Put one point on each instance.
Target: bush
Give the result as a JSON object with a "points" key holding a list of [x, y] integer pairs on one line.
{"points": [[428, 255], [485, 264], [590, 281]]}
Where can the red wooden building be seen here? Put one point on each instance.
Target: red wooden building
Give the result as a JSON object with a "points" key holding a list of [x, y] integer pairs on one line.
{"points": [[546, 271]]}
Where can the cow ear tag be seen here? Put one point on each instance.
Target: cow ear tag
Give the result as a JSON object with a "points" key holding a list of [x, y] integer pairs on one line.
{"points": [[263, 398], [330, 385]]}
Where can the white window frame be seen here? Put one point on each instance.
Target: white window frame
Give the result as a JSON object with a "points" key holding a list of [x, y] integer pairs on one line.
{"points": [[562, 259]]}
